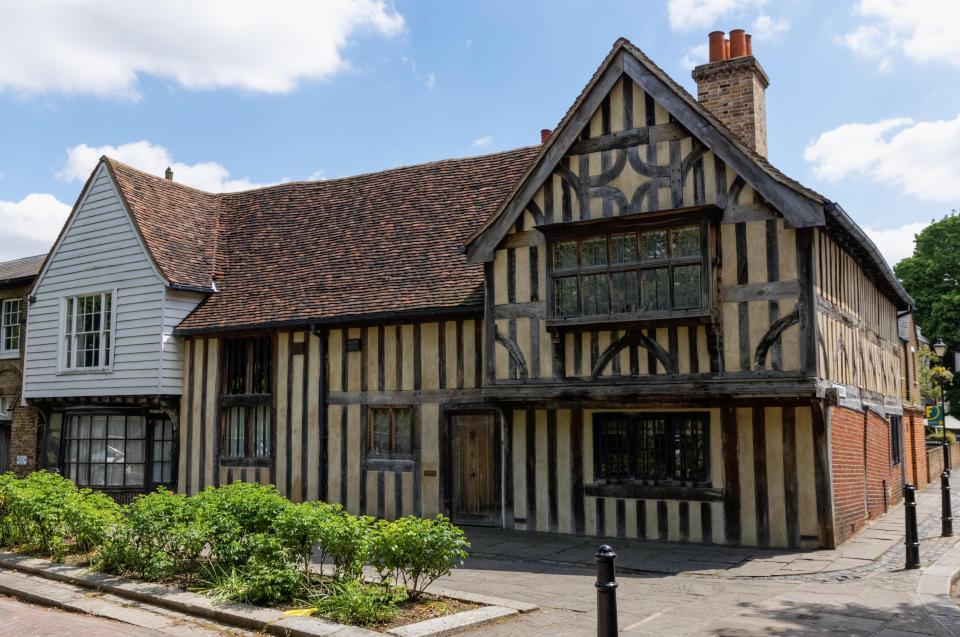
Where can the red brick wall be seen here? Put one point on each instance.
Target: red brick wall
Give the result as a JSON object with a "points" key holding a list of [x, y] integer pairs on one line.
{"points": [[23, 439], [934, 457], [864, 477], [916, 447]]}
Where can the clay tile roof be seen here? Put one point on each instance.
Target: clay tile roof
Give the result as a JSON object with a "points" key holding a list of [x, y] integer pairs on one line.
{"points": [[374, 244], [177, 223], [20, 271]]}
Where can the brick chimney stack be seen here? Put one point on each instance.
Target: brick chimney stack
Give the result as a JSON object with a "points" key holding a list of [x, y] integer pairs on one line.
{"points": [[732, 85]]}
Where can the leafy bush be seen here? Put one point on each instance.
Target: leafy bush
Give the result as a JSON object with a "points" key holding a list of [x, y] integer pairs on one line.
{"points": [[416, 551], [227, 515], [266, 579], [345, 539], [157, 538], [357, 603], [301, 527], [49, 514]]}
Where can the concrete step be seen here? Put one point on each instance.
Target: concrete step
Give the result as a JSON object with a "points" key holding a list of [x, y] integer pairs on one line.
{"points": [[69, 597]]}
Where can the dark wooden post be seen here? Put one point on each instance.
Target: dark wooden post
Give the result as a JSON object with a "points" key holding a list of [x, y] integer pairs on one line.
{"points": [[606, 593], [947, 508], [911, 541]]}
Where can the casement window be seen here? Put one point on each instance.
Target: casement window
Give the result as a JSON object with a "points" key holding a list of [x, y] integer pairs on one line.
{"points": [[390, 433], [896, 431], [10, 326], [651, 448], [247, 399], [629, 273], [88, 331], [106, 450]]}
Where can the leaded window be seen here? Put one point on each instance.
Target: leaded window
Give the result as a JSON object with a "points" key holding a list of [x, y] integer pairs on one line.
{"points": [[10, 326], [390, 433], [649, 272], [88, 331], [106, 450], [651, 448], [247, 399]]}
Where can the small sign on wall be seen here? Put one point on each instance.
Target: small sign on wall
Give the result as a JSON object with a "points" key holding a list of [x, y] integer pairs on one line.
{"points": [[21, 461]]}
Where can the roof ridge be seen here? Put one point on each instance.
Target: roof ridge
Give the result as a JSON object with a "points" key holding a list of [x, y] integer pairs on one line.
{"points": [[19, 259], [303, 182]]}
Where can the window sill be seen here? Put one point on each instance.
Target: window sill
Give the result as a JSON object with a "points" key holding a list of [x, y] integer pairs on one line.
{"points": [[391, 464], [85, 370], [629, 319], [244, 462], [10, 353], [654, 492]]}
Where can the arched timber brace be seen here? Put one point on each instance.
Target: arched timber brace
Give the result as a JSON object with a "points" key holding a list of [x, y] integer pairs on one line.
{"points": [[514, 352], [773, 334], [634, 337]]}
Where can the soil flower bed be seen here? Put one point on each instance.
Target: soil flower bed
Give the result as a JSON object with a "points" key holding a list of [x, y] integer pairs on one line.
{"points": [[243, 543]]}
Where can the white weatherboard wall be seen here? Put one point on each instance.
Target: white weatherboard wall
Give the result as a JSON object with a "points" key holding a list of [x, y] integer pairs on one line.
{"points": [[101, 250]]}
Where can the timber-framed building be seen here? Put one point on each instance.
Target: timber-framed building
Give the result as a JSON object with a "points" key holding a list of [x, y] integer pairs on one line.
{"points": [[638, 328]]}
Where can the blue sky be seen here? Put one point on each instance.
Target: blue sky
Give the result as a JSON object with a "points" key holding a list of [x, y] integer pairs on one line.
{"points": [[864, 101]]}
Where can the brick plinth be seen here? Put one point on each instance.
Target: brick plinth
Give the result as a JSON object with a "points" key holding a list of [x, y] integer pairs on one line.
{"points": [[866, 482], [23, 439]]}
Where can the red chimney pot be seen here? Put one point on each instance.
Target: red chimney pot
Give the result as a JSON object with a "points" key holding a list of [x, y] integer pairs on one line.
{"points": [[716, 46], [545, 135], [738, 43], [726, 49], [749, 39]]}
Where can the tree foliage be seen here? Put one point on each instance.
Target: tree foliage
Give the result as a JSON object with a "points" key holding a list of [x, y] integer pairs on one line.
{"points": [[932, 277]]}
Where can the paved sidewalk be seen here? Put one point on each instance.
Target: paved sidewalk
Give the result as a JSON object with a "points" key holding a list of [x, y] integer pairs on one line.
{"points": [[675, 589], [18, 619]]}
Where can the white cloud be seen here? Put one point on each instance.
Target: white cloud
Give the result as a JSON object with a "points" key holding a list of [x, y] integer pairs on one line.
{"points": [[695, 56], [483, 142], [143, 155], [30, 225], [317, 175], [920, 30], [686, 15], [100, 47], [920, 158], [430, 80], [768, 28], [896, 244]]}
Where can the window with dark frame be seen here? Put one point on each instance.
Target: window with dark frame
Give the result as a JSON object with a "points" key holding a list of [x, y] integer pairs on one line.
{"points": [[247, 399], [651, 448], [653, 271], [106, 450], [896, 431], [390, 433]]}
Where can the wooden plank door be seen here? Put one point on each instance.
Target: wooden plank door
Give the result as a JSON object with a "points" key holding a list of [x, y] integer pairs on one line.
{"points": [[475, 470]]}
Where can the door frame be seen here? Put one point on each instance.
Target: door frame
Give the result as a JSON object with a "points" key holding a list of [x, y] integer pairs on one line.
{"points": [[447, 415]]}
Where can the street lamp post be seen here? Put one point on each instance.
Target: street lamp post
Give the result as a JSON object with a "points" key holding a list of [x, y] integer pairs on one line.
{"points": [[940, 348]]}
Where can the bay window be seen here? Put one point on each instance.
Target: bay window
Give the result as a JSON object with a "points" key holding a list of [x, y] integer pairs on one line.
{"points": [[629, 272]]}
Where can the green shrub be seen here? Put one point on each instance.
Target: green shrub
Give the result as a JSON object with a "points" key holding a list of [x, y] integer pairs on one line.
{"points": [[89, 516], [300, 528], [267, 578], [345, 539], [415, 552], [225, 516], [157, 538], [354, 602]]}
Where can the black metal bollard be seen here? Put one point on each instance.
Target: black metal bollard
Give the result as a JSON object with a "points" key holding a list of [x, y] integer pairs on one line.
{"points": [[912, 540], [606, 593], [946, 506]]}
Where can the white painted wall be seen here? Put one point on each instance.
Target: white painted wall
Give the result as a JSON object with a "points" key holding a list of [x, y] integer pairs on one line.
{"points": [[101, 250]]}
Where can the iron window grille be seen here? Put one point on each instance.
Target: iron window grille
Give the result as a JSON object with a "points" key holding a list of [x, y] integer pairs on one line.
{"points": [[651, 448]]}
